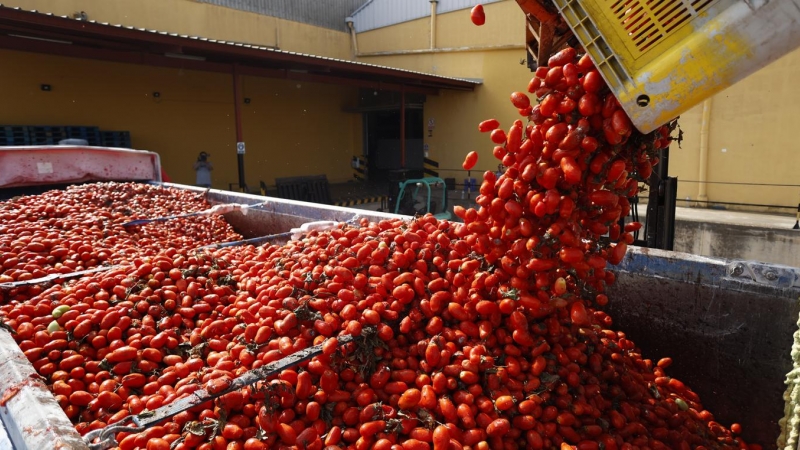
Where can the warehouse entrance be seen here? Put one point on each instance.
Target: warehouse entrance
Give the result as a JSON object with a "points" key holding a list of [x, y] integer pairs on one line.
{"points": [[383, 129], [383, 144]]}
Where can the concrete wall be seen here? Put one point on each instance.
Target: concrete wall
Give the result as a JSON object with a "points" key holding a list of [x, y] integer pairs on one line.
{"points": [[201, 19], [291, 128], [771, 245]]}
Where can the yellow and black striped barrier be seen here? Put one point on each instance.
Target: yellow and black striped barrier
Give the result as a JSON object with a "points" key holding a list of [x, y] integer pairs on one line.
{"points": [[359, 165], [361, 201], [429, 167]]}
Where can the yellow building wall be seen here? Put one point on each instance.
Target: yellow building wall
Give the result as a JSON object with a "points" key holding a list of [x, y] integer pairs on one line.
{"points": [[411, 35], [456, 114], [504, 25], [290, 128], [202, 19], [753, 121], [751, 140]]}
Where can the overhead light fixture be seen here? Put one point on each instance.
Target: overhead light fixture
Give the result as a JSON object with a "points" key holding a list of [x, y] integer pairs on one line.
{"points": [[55, 41], [182, 56]]}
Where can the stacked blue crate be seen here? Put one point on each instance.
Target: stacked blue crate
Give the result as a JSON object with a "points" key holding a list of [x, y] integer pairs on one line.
{"points": [[13, 136], [116, 139], [89, 134], [46, 135]]}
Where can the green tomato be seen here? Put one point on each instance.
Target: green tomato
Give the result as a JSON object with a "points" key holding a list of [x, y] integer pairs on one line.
{"points": [[682, 405], [60, 310], [53, 327]]}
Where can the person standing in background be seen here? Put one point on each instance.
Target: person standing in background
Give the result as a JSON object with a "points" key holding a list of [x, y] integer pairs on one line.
{"points": [[203, 169]]}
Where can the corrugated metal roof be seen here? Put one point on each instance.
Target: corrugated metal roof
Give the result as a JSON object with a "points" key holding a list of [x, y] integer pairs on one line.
{"points": [[250, 46], [383, 13], [326, 14]]}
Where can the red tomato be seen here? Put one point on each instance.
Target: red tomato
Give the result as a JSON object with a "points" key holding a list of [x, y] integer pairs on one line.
{"points": [[498, 136], [488, 125], [579, 315], [565, 56], [520, 100], [498, 428], [592, 81], [621, 123], [477, 15], [470, 160]]}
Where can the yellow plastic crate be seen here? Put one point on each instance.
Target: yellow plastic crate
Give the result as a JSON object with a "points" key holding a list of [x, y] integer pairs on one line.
{"points": [[661, 57]]}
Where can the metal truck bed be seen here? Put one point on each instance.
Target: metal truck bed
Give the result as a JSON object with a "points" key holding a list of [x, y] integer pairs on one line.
{"points": [[728, 325]]}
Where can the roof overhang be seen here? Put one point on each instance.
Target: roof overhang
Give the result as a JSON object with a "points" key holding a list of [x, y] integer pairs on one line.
{"points": [[32, 31]]}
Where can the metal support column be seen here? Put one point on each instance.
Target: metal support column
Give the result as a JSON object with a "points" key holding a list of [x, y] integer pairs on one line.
{"points": [[240, 148], [660, 220], [402, 127]]}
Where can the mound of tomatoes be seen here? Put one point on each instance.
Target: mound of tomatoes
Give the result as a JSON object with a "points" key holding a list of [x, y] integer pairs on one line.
{"points": [[485, 334], [81, 228]]}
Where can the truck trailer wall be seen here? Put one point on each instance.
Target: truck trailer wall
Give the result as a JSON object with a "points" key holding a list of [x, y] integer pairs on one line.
{"points": [[290, 128], [738, 242]]}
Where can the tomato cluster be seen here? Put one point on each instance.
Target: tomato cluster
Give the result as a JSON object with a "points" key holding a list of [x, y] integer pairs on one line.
{"points": [[81, 227], [484, 334], [552, 221]]}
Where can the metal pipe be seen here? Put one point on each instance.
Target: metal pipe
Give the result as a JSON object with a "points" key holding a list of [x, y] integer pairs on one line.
{"points": [[705, 124], [352, 28], [277, 34], [402, 127], [239, 136], [434, 4], [483, 48]]}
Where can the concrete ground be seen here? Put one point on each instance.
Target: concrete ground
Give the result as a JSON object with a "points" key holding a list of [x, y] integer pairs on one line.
{"points": [[748, 219]]}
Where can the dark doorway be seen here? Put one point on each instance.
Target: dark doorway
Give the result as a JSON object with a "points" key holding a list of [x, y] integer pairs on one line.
{"points": [[383, 143]]}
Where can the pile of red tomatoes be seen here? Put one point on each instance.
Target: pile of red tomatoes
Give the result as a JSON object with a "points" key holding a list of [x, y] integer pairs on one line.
{"points": [[486, 334]]}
